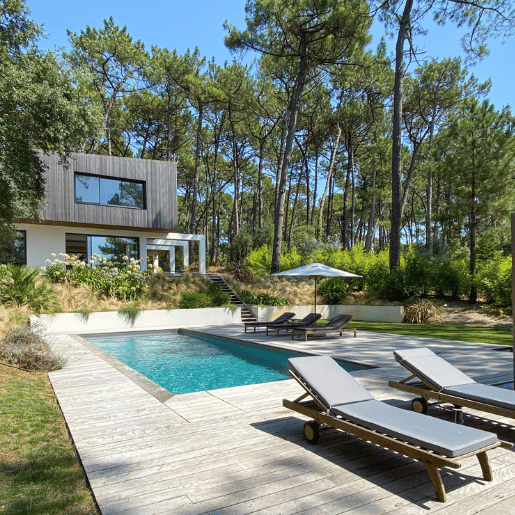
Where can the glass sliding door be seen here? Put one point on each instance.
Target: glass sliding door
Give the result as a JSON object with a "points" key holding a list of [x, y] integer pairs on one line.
{"points": [[113, 248]]}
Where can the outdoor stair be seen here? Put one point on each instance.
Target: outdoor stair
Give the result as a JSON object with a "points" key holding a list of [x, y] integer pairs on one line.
{"points": [[246, 313]]}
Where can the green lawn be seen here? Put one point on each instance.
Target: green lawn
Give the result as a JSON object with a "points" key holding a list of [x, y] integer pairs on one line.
{"points": [[463, 333], [39, 469]]}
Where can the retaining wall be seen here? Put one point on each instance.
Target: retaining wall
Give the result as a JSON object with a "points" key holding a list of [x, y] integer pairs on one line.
{"points": [[366, 313], [154, 319]]}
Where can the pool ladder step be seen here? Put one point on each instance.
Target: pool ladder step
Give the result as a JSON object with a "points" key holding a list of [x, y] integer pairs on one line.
{"points": [[246, 313]]}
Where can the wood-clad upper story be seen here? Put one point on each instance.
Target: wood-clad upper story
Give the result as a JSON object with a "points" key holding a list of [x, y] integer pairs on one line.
{"points": [[156, 181]]}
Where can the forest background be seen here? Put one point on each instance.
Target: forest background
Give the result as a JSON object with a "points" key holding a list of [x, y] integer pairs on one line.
{"points": [[322, 141]]}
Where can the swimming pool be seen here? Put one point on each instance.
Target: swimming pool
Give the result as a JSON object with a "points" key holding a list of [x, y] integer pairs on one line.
{"points": [[185, 363]]}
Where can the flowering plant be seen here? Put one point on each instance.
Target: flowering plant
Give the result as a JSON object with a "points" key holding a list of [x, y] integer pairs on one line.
{"points": [[123, 280]]}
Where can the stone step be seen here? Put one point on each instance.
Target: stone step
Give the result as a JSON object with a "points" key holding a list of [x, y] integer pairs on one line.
{"points": [[246, 314]]}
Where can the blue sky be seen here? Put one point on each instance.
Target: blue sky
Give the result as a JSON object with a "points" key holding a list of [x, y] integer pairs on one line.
{"points": [[183, 24]]}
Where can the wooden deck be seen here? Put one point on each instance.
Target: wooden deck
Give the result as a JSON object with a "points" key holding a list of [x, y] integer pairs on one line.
{"points": [[238, 451]]}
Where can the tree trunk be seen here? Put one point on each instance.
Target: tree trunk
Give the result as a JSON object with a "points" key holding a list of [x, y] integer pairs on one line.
{"points": [[329, 176], [345, 213], [283, 175], [260, 188], [328, 231], [429, 214], [371, 218], [472, 219], [196, 177], [315, 186], [407, 184], [395, 231], [353, 203], [293, 212], [214, 246]]}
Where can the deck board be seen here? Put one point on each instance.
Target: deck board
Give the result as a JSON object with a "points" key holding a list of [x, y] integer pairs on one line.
{"points": [[238, 450]]}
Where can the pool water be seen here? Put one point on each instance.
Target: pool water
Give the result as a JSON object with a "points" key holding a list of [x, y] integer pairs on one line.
{"points": [[183, 363]]}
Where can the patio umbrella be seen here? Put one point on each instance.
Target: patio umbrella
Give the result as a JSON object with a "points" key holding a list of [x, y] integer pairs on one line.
{"points": [[315, 270]]}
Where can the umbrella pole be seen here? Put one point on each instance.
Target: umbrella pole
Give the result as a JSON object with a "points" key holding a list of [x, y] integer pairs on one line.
{"points": [[316, 279]]}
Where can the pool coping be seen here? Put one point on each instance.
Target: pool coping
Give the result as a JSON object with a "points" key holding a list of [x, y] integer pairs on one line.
{"points": [[158, 392]]}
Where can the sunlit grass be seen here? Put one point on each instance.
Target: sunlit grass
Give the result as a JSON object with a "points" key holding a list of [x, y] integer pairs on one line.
{"points": [[464, 333], [39, 470]]}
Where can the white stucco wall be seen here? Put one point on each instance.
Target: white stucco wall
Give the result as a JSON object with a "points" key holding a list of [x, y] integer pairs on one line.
{"points": [[73, 323], [43, 240], [393, 314]]}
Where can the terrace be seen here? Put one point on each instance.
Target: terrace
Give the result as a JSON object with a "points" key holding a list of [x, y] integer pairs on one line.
{"points": [[238, 450]]}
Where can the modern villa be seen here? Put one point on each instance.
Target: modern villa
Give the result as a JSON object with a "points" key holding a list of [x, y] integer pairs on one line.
{"points": [[110, 206]]}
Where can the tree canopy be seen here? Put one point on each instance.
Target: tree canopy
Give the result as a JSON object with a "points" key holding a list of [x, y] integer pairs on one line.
{"points": [[312, 145], [39, 110]]}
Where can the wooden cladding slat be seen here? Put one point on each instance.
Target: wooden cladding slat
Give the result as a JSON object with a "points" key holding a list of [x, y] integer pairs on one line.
{"points": [[160, 179]]}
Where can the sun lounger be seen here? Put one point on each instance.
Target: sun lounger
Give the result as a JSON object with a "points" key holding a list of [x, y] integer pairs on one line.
{"points": [[336, 325], [436, 378], [340, 402], [307, 321], [279, 320]]}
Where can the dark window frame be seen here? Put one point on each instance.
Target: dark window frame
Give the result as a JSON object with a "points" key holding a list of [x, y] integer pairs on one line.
{"points": [[117, 179]]}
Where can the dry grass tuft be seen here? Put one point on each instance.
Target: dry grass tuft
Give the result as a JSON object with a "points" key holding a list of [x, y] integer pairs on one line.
{"points": [[421, 312], [13, 316]]}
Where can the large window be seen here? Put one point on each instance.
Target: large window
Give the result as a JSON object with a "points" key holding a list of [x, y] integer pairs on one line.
{"points": [[20, 248], [14, 251], [113, 248], [92, 189]]}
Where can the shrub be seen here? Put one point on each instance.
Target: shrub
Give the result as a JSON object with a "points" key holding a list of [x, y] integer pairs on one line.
{"points": [[393, 287], [418, 270], [240, 272], [220, 298], [210, 296], [120, 280], [452, 277], [29, 351], [385, 283], [194, 299], [335, 290], [290, 260], [494, 279], [20, 286], [306, 245], [260, 260], [262, 299], [420, 312]]}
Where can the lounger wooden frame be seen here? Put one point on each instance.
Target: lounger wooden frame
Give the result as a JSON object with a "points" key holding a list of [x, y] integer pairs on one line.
{"points": [[306, 331], [427, 392], [432, 461]]}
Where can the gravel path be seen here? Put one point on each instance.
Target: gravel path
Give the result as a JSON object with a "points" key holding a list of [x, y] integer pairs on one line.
{"points": [[461, 312]]}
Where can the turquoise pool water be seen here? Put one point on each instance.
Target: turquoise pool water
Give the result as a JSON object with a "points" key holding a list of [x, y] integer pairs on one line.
{"points": [[183, 363]]}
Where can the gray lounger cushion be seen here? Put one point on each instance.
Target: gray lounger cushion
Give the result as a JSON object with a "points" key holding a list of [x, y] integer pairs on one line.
{"points": [[329, 381], [279, 320], [427, 365], [339, 391], [492, 395], [305, 322], [334, 324], [434, 434]]}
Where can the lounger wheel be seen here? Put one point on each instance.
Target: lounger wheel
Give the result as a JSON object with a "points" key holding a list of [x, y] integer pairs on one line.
{"points": [[311, 432], [419, 405]]}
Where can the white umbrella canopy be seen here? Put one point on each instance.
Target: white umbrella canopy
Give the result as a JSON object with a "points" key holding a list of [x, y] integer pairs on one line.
{"points": [[316, 270]]}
